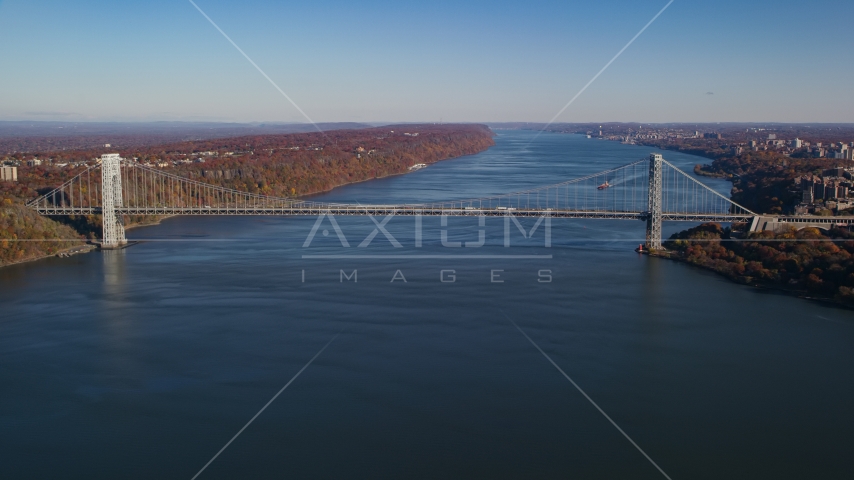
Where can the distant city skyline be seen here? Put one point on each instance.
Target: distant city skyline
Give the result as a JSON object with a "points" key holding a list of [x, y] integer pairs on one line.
{"points": [[381, 61]]}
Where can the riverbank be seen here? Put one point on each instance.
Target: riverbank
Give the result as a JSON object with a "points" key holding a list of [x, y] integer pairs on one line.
{"points": [[805, 263], [85, 247], [26, 235], [699, 170], [156, 221], [148, 222], [287, 166], [775, 289], [388, 175], [66, 252]]}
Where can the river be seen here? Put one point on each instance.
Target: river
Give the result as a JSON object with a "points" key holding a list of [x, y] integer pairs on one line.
{"points": [[145, 362]]}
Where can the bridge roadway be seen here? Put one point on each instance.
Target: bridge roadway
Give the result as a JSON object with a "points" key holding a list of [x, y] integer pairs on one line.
{"points": [[310, 209]]}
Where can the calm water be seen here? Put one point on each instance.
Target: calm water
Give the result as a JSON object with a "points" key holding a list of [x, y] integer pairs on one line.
{"points": [[143, 363]]}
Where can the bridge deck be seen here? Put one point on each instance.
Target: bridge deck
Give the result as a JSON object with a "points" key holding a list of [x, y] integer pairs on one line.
{"points": [[384, 210]]}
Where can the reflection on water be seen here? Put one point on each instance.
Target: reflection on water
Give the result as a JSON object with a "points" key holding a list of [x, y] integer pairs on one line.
{"points": [[116, 315], [114, 271], [651, 286]]}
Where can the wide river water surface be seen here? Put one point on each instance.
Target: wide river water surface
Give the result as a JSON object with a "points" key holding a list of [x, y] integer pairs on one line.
{"points": [[145, 362]]}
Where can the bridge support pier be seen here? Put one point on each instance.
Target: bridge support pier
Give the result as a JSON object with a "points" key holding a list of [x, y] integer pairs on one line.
{"points": [[111, 197], [653, 219]]}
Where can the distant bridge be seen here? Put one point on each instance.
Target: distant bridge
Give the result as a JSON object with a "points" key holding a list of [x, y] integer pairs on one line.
{"points": [[650, 190]]}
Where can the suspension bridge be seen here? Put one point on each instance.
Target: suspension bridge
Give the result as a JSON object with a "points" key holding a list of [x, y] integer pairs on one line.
{"points": [[651, 190]]}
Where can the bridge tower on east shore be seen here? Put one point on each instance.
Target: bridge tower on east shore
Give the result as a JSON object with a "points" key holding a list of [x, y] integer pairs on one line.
{"points": [[653, 219], [111, 197]]}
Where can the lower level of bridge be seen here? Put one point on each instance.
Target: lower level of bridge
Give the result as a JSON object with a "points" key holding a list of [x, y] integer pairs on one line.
{"points": [[651, 190]]}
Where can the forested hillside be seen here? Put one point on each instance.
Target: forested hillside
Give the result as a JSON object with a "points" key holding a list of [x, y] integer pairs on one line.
{"points": [[807, 261], [25, 235], [289, 165]]}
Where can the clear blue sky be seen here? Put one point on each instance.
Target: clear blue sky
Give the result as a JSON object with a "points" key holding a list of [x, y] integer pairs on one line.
{"points": [[458, 60]]}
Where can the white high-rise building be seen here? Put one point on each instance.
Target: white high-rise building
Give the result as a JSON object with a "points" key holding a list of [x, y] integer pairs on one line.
{"points": [[9, 174]]}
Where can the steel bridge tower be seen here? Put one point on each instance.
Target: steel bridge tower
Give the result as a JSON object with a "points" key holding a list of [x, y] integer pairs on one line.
{"points": [[653, 219], [111, 197]]}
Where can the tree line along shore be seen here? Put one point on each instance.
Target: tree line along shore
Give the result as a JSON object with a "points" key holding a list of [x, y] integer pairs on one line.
{"points": [[285, 165]]}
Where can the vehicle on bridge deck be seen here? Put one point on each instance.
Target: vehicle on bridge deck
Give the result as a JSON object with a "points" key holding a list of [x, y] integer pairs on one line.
{"points": [[604, 185]]}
